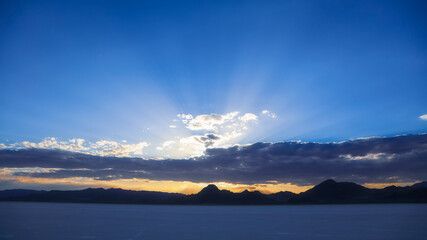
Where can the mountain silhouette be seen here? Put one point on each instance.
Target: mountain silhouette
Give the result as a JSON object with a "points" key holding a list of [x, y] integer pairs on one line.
{"points": [[327, 192], [98, 195], [210, 190], [282, 197], [331, 191], [420, 185], [17, 193], [212, 195]]}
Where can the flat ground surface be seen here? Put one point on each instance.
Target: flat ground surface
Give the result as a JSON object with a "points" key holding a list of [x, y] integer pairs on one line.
{"points": [[107, 221]]}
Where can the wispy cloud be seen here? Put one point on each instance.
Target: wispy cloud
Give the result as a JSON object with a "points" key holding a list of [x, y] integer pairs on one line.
{"points": [[269, 114], [423, 117]]}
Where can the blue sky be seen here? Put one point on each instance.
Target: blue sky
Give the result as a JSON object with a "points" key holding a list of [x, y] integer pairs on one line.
{"points": [[265, 95], [122, 71]]}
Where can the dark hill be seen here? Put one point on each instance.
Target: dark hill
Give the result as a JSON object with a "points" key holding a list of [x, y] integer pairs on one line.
{"points": [[420, 185], [282, 197], [330, 191], [211, 189], [212, 195], [255, 197], [100, 195]]}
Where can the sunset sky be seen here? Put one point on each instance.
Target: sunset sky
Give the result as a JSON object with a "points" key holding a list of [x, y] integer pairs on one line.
{"points": [[174, 95]]}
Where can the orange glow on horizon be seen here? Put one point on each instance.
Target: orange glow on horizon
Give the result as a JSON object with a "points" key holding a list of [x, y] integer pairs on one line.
{"points": [[185, 187], [383, 185]]}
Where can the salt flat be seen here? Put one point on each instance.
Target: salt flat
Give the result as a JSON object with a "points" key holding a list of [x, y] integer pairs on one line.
{"points": [[107, 221]]}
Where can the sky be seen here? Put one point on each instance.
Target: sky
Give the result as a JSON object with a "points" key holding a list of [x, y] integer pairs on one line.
{"points": [[173, 95]]}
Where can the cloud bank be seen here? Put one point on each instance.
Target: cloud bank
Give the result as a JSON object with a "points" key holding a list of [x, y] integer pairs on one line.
{"points": [[371, 160]]}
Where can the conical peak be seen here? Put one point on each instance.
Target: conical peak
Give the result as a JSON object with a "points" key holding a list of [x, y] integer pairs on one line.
{"points": [[211, 188], [328, 182]]}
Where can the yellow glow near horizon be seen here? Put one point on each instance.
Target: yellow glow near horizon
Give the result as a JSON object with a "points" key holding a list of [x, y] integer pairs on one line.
{"points": [[184, 187], [383, 185]]}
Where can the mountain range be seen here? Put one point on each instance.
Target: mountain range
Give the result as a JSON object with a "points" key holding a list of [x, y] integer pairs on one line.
{"points": [[327, 192]]}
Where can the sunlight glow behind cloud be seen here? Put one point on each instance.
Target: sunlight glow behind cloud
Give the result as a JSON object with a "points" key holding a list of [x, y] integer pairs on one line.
{"points": [[210, 130], [195, 135]]}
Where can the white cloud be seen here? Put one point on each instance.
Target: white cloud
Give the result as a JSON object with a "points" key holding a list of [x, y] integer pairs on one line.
{"points": [[102, 147], [215, 122], [185, 116], [112, 148], [269, 114], [248, 117], [423, 117], [195, 133], [369, 156], [166, 145], [209, 122], [210, 130]]}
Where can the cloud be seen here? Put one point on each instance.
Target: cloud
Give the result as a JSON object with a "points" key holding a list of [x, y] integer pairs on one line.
{"points": [[269, 114], [102, 147], [111, 148], [248, 117], [209, 139], [423, 117], [371, 160], [166, 144], [211, 122], [207, 131]]}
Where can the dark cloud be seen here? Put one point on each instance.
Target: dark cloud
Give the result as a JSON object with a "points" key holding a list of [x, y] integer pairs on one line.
{"points": [[393, 159], [209, 139]]}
